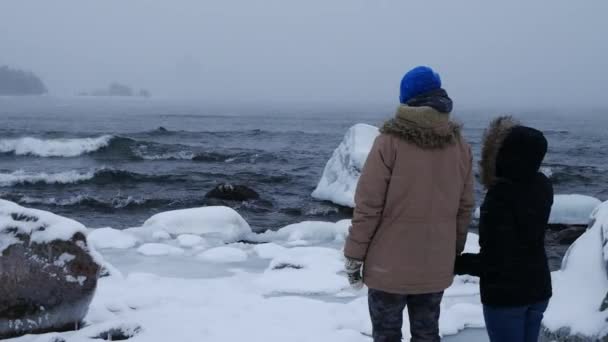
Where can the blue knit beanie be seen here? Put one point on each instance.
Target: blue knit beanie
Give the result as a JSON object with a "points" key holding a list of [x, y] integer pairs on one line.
{"points": [[419, 80]]}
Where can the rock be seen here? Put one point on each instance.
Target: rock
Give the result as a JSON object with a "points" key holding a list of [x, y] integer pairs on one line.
{"points": [[48, 275], [569, 235], [230, 192]]}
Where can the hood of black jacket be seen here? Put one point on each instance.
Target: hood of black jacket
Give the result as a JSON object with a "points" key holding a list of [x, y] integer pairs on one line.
{"points": [[511, 151]]}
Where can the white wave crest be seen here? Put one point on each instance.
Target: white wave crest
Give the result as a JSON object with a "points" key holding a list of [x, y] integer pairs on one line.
{"points": [[22, 177], [181, 155], [53, 147]]}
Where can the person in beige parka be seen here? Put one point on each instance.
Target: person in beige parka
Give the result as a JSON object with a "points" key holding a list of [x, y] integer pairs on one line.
{"points": [[413, 205]]}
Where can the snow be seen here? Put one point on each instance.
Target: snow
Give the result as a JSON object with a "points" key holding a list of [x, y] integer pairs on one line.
{"points": [[573, 209], [161, 235], [102, 238], [569, 209], [159, 249], [224, 255], [581, 285], [28, 221], [272, 291], [53, 147], [190, 240], [304, 270], [268, 250], [339, 180], [218, 222], [313, 231]]}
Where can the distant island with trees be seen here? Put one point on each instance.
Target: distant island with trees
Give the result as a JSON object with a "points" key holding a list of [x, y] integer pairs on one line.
{"points": [[20, 82], [117, 89]]}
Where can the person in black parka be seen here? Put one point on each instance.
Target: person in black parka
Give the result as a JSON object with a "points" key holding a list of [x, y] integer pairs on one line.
{"points": [[515, 280]]}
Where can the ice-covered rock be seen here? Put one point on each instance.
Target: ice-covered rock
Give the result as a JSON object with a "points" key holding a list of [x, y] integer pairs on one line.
{"points": [[576, 309], [48, 274], [159, 249], [341, 174], [102, 238], [572, 209], [218, 222], [223, 255]]}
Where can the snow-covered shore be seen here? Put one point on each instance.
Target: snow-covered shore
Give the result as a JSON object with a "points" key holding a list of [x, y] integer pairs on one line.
{"points": [[191, 284], [202, 274]]}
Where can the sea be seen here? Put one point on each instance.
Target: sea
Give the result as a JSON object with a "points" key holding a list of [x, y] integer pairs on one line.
{"points": [[114, 162]]}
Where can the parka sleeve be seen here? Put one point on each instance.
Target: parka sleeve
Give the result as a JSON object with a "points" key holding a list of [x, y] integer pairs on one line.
{"points": [[465, 210], [370, 197]]}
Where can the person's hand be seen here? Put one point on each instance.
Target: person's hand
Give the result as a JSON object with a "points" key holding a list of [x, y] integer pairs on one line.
{"points": [[353, 271]]}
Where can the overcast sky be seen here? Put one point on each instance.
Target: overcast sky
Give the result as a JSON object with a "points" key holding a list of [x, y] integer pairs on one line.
{"points": [[549, 52]]}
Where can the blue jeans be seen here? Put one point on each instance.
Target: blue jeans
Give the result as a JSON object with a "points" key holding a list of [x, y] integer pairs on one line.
{"points": [[514, 324]]}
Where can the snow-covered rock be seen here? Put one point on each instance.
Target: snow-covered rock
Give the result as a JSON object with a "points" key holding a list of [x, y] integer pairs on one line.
{"points": [[341, 174], [190, 240], [223, 255], [573, 209], [159, 249], [580, 287], [47, 271], [102, 238], [218, 222], [161, 235]]}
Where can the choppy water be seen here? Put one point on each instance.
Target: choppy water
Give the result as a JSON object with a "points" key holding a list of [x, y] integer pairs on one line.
{"points": [[115, 162]]}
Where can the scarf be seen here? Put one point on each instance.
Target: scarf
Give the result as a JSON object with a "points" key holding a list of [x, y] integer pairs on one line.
{"points": [[436, 99]]}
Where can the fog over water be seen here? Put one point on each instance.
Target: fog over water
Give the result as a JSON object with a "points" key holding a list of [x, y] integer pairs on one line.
{"points": [[542, 53]]}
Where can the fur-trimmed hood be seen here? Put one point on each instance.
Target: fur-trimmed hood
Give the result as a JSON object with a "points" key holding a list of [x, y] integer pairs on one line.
{"points": [[510, 151], [424, 127]]}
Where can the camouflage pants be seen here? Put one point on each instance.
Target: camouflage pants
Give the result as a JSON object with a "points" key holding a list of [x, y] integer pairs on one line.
{"points": [[386, 311]]}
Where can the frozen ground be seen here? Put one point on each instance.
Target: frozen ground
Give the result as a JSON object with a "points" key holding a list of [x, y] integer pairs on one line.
{"points": [[176, 287]]}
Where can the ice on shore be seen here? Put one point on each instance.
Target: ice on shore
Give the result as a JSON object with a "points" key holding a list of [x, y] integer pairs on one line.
{"points": [[159, 249], [580, 287], [223, 255], [290, 286], [339, 180], [308, 231], [107, 237]]}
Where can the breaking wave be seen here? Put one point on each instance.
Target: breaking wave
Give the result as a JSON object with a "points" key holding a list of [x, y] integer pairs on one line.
{"points": [[30, 146], [98, 177]]}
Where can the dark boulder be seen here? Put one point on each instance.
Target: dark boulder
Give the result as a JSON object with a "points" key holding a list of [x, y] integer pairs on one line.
{"points": [[47, 275], [228, 192], [569, 235]]}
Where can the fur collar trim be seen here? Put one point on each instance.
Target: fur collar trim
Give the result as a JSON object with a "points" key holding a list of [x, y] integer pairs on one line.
{"points": [[424, 127], [493, 139]]}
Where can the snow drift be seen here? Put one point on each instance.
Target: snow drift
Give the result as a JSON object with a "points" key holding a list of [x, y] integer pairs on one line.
{"points": [[580, 287], [341, 174]]}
